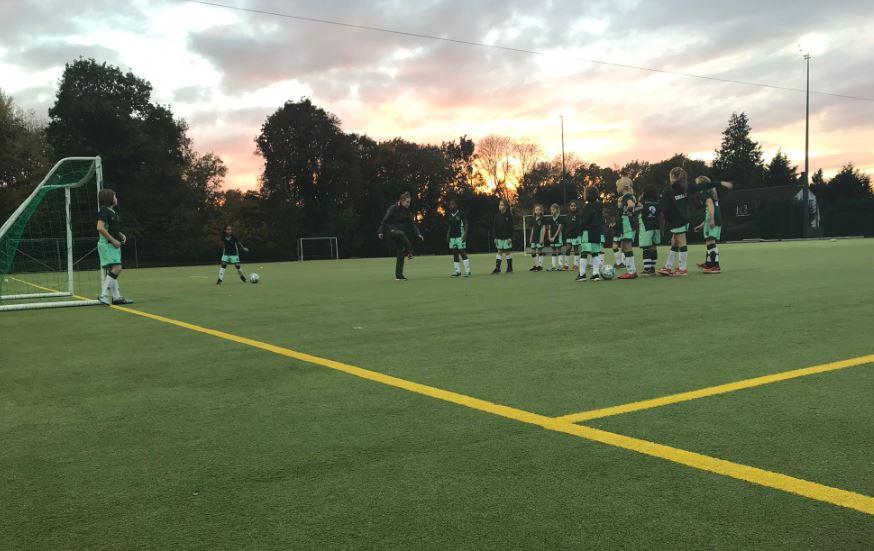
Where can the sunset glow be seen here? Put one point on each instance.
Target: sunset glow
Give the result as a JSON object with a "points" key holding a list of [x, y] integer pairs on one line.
{"points": [[224, 71]]}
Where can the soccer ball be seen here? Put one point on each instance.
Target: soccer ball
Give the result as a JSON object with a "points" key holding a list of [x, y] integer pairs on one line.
{"points": [[253, 278], [607, 271]]}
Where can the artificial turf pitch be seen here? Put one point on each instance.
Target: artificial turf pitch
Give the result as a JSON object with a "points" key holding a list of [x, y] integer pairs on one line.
{"points": [[123, 432]]}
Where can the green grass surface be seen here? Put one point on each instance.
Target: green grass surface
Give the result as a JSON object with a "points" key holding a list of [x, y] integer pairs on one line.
{"points": [[121, 432]]}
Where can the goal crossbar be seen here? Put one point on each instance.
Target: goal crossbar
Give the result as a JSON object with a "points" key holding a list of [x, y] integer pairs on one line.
{"points": [[95, 171]]}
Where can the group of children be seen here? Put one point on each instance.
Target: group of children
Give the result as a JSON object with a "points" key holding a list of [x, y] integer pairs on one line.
{"points": [[580, 235], [643, 217]]}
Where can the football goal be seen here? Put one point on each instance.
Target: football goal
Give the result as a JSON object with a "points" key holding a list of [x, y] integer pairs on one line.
{"points": [[317, 248], [48, 246], [527, 222]]}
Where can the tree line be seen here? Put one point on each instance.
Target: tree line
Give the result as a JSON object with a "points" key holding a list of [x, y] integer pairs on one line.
{"points": [[318, 180]]}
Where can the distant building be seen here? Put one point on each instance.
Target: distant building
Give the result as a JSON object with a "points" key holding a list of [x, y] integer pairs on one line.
{"points": [[741, 208]]}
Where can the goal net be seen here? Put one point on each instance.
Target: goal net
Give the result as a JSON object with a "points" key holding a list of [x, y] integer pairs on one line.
{"points": [[317, 248], [527, 222], [48, 246]]}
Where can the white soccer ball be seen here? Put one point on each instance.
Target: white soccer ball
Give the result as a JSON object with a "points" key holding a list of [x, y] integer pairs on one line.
{"points": [[253, 278], [607, 271]]}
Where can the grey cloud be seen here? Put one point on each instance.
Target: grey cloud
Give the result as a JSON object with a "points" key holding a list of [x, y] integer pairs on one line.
{"points": [[846, 115], [295, 49], [238, 118], [696, 16], [191, 94], [333, 61], [37, 99], [27, 21], [52, 54]]}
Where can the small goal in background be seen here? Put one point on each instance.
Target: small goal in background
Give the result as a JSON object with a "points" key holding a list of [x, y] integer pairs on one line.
{"points": [[317, 248]]}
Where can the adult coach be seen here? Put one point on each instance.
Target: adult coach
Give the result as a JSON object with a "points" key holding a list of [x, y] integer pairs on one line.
{"points": [[398, 223]]}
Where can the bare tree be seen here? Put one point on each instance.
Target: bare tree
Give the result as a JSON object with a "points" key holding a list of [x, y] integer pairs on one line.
{"points": [[572, 162], [528, 154], [493, 159]]}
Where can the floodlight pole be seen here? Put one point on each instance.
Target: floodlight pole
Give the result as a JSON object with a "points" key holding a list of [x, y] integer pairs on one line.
{"points": [[805, 193], [563, 174]]}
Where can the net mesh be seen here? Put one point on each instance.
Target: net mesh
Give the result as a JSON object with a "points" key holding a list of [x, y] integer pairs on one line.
{"points": [[37, 254], [317, 248]]}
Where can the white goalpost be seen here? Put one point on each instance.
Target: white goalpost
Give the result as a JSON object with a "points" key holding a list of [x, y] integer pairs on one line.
{"points": [[317, 248], [48, 255]]}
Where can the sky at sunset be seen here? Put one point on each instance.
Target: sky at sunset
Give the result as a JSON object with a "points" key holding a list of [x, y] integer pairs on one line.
{"points": [[224, 70]]}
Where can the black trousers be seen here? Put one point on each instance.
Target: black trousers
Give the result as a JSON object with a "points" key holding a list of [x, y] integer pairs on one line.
{"points": [[402, 247]]}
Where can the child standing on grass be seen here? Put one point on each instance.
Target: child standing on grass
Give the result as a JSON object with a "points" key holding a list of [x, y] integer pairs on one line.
{"points": [[675, 205], [613, 239], [397, 222], [606, 237], [712, 227], [555, 238], [457, 238], [231, 254], [535, 239], [574, 235], [502, 230], [591, 222], [650, 228], [624, 212], [109, 247]]}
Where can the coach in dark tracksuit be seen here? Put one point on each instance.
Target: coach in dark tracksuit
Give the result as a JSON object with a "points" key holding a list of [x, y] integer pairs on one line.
{"points": [[398, 222]]}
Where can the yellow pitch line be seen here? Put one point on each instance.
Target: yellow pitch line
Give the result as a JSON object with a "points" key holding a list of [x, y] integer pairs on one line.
{"points": [[714, 390], [761, 477], [754, 475], [445, 395], [40, 287]]}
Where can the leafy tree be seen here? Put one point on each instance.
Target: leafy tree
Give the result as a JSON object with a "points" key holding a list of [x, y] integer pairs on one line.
{"points": [[423, 170], [849, 183], [543, 176], [462, 158], [25, 156], [202, 177], [309, 162], [168, 192], [657, 174], [602, 177], [640, 172], [818, 185], [255, 224], [780, 171], [99, 110], [739, 158]]}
